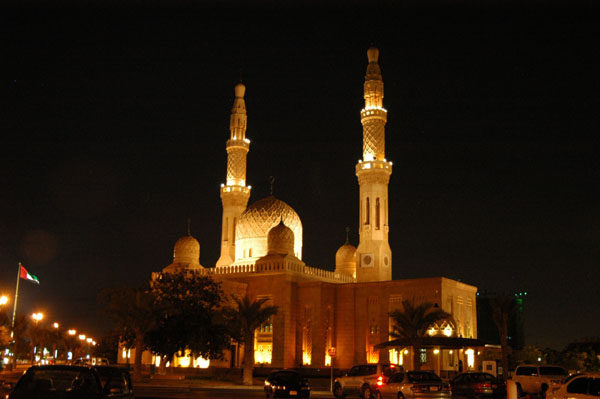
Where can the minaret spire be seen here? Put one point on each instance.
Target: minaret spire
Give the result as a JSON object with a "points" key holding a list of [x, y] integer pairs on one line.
{"points": [[373, 255], [234, 193], [271, 183]]}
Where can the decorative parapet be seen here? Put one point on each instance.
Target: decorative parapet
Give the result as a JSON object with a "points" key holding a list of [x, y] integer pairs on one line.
{"points": [[293, 267]]}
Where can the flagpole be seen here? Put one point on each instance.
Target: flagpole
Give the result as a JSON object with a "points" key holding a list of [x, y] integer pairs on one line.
{"points": [[12, 329]]}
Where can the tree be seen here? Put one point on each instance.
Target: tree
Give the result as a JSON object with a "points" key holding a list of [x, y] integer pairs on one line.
{"points": [[108, 347], [503, 307], [244, 318], [132, 311], [412, 322], [189, 316], [39, 335]]}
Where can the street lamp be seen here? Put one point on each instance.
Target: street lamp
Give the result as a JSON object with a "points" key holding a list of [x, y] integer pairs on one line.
{"points": [[3, 300], [55, 339], [89, 341], [37, 317], [71, 344], [82, 339]]}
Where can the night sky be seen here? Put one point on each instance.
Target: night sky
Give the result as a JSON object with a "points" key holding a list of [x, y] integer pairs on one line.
{"points": [[114, 122]]}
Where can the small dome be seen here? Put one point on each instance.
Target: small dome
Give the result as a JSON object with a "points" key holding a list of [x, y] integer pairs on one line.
{"points": [[281, 240], [187, 250], [345, 254], [258, 219]]}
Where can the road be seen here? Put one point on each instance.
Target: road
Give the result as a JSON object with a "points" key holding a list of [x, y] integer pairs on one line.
{"points": [[200, 393]]}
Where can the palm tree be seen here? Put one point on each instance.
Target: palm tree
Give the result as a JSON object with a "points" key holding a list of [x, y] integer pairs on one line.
{"points": [[244, 319], [412, 323], [503, 307], [132, 310]]}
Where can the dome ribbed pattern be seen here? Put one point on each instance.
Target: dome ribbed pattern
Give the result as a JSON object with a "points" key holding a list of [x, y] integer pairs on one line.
{"points": [[187, 250], [260, 217], [281, 240]]}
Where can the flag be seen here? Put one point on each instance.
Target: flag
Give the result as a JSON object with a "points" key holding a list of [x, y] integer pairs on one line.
{"points": [[25, 274]]}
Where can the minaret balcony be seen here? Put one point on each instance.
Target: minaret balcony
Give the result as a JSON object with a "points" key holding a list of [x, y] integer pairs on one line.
{"points": [[235, 189], [373, 112], [238, 143], [374, 165]]}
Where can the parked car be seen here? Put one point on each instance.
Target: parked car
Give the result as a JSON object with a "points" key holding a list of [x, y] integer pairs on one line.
{"points": [[409, 385], [285, 384], [360, 377], [82, 361], [58, 381], [477, 385], [116, 381], [537, 379], [580, 386]]}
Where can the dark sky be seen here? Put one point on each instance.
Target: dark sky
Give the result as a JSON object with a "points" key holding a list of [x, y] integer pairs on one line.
{"points": [[114, 122]]}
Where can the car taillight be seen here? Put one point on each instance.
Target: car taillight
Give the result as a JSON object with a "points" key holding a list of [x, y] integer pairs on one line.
{"points": [[483, 385], [380, 381]]}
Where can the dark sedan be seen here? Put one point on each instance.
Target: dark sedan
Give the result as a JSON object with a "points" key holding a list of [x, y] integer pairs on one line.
{"points": [[477, 385], [72, 382], [286, 384]]}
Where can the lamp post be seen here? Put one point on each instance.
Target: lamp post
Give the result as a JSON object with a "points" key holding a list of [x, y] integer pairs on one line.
{"points": [[56, 338], [36, 317], [3, 301], [82, 339], [89, 341], [71, 341]]}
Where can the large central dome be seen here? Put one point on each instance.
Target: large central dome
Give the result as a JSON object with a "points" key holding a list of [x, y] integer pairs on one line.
{"points": [[257, 220]]}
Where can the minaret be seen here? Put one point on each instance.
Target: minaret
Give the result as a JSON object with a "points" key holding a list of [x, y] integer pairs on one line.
{"points": [[373, 255], [234, 193]]}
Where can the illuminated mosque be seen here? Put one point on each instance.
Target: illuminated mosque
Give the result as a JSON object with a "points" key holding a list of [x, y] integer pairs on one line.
{"points": [[341, 314]]}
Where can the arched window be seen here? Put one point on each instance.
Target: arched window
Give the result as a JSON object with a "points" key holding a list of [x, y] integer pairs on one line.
{"points": [[225, 229], [234, 225], [368, 212], [377, 213]]}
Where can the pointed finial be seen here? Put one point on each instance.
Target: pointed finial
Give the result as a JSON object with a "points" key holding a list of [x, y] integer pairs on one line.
{"points": [[347, 235], [271, 182], [189, 222], [373, 54], [240, 90]]}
